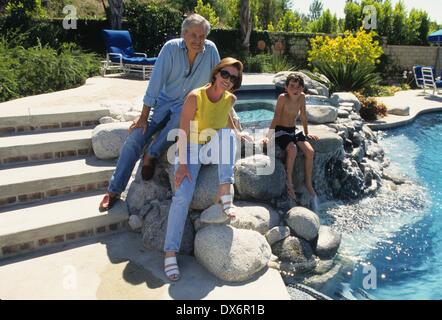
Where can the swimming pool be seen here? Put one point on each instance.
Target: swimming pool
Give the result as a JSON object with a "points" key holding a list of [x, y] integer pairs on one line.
{"points": [[401, 243]]}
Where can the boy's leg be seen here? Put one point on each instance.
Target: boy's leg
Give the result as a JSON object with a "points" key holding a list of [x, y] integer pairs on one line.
{"points": [[309, 153], [290, 163]]}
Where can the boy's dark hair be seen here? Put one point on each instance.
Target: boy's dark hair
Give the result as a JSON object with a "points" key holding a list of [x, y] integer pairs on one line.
{"points": [[296, 78]]}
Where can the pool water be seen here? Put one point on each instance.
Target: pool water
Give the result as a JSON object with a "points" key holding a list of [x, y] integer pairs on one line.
{"points": [[401, 233]]}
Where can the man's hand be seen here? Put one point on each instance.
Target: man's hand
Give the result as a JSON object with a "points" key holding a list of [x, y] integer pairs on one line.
{"points": [[140, 122], [313, 137]]}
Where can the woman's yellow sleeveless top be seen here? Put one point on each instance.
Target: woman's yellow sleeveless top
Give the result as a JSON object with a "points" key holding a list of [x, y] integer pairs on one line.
{"points": [[209, 115]]}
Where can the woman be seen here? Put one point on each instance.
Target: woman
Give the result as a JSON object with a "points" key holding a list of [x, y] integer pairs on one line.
{"points": [[205, 114]]}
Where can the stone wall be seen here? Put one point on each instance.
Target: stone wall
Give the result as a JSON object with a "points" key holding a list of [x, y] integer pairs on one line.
{"points": [[409, 56]]}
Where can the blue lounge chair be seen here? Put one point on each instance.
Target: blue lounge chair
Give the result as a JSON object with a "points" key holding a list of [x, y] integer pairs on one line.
{"points": [[426, 78], [120, 54]]}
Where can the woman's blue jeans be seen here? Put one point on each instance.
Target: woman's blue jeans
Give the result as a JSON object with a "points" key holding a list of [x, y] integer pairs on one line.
{"points": [[184, 193]]}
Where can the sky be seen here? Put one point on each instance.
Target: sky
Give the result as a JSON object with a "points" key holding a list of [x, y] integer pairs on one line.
{"points": [[432, 7]]}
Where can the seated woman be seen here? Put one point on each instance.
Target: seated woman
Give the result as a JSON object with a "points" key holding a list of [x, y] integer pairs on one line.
{"points": [[206, 108]]}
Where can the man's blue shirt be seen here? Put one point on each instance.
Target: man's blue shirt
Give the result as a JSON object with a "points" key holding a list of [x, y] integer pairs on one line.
{"points": [[172, 80]]}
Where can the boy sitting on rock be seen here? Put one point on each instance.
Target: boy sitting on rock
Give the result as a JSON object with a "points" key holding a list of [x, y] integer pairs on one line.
{"points": [[288, 138]]}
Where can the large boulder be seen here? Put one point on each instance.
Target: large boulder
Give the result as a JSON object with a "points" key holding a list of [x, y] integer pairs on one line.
{"points": [[258, 217], [317, 100], [309, 83], [303, 222], [231, 254], [107, 139], [338, 98], [254, 175], [155, 227], [328, 243], [143, 192], [297, 252], [213, 215], [321, 114]]}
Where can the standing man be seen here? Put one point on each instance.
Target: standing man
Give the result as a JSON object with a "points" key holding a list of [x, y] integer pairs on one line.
{"points": [[182, 65]]}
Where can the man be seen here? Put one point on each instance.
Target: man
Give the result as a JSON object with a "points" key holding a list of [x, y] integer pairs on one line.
{"points": [[182, 65]]}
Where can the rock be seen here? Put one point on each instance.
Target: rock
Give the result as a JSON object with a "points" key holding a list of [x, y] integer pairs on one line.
{"points": [[350, 182], [321, 114], [399, 111], [369, 134], [328, 243], [213, 215], [338, 98], [357, 139], [143, 192], [313, 92], [155, 226], [254, 175], [296, 254], [277, 234], [329, 142], [107, 139], [131, 115], [257, 217], [303, 222], [358, 154], [107, 119], [280, 77], [117, 108], [231, 254], [343, 113], [374, 150], [317, 100]]}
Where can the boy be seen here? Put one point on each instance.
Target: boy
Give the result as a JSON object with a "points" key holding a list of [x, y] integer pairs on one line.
{"points": [[288, 106]]}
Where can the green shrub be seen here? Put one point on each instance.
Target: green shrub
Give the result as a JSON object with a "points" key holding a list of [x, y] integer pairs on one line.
{"points": [[380, 91], [371, 109], [348, 76], [41, 69]]}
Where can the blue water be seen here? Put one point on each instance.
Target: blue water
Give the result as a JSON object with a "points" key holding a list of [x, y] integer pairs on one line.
{"points": [[403, 241]]}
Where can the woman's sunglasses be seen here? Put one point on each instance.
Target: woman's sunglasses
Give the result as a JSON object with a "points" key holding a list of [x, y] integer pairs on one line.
{"points": [[226, 75]]}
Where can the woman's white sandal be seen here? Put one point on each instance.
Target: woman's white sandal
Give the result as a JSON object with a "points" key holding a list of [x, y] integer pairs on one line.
{"points": [[171, 269], [227, 203]]}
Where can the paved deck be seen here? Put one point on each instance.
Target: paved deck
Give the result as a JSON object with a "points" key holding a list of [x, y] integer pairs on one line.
{"points": [[418, 101], [119, 267]]}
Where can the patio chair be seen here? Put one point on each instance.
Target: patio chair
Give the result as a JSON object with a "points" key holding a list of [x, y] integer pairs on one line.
{"points": [[120, 55], [426, 78]]}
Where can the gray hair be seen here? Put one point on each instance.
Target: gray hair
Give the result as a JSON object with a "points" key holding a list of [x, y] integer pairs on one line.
{"points": [[195, 20]]}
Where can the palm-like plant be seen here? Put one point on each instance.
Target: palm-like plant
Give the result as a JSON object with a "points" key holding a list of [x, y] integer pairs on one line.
{"points": [[352, 76]]}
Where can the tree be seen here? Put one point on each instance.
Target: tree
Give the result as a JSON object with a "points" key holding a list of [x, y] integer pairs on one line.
{"points": [[399, 29], [327, 23], [316, 9], [353, 16], [246, 25], [290, 22], [207, 12], [114, 12]]}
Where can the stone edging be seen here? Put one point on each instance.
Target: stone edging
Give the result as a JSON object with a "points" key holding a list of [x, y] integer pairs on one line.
{"points": [[410, 119]]}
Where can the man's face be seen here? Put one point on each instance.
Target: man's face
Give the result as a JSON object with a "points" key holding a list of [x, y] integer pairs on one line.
{"points": [[194, 38], [294, 88]]}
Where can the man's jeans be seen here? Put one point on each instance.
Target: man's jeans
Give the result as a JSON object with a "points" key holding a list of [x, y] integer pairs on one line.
{"points": [[184, 193], [133, 147]]}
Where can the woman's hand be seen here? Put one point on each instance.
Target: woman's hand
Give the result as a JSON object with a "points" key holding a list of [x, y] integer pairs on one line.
{"points": [[140, 122], [181, 173]]}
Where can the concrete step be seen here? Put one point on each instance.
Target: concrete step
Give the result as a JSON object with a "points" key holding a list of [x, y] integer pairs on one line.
{"points": [[45, 145], [29, 227], [42, 180], [51, 118]]}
